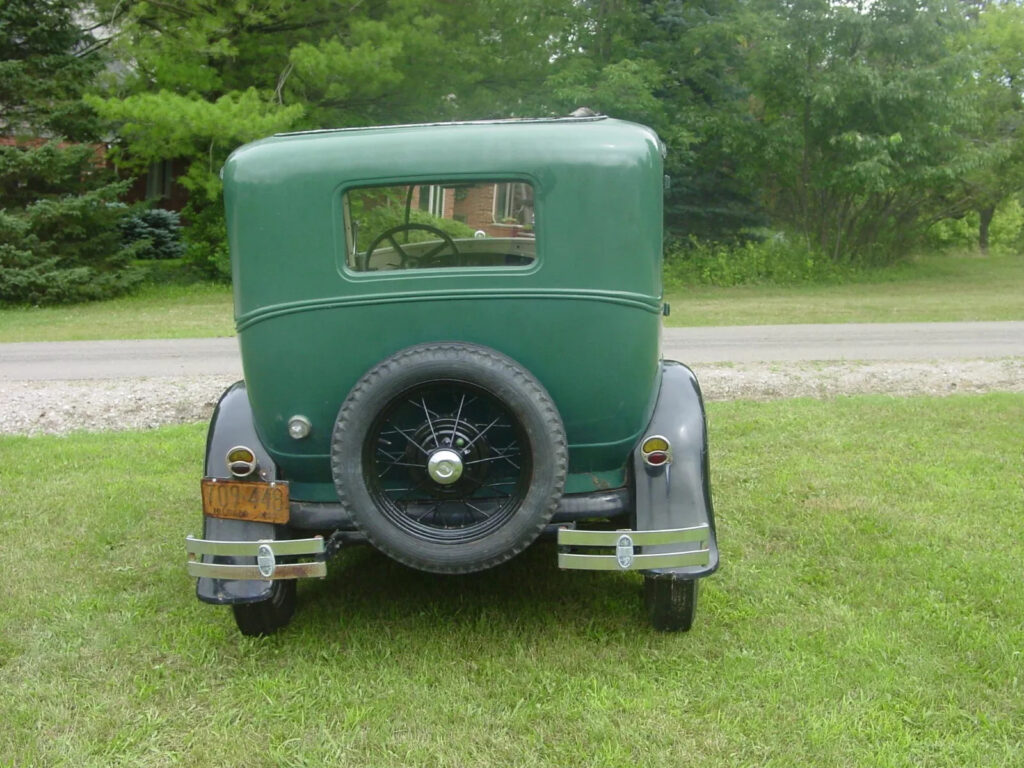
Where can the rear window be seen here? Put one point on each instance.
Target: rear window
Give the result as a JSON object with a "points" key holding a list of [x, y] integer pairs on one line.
{"points": [[439, 226]]}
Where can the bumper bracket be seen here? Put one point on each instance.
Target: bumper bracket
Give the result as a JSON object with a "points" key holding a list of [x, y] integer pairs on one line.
{"points": [[265, 554], [627, 549]]}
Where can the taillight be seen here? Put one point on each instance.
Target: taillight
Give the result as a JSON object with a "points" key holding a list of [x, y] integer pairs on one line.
{"points": [[241, 461], [656, 451]]}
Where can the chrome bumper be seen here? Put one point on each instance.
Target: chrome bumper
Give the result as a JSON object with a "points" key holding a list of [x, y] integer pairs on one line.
{"points": [[624, 544], [265, 553]]}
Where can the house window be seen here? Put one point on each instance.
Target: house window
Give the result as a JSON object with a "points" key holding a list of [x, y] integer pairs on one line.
{"points": [[513, 204], [158, 180], [432, 199]]}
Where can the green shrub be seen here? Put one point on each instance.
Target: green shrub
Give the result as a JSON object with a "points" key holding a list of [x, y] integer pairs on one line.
{"points": [[157, 233], [1005, 234], [46, 282], [59, 227], [953, 234], [206, 240], [775, 260]]}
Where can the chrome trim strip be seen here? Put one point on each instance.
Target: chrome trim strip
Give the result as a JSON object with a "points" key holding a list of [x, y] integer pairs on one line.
{"points": [[639, 562], [573, 537], [252, 572], [314, 546], [624, 542]]}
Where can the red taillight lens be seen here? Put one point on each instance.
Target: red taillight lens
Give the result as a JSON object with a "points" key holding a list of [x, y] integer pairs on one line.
{"points": [[656, 451]]}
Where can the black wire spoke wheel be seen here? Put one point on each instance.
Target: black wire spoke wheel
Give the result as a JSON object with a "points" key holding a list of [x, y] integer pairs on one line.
{"points": [[449, 457], [447, 462]]}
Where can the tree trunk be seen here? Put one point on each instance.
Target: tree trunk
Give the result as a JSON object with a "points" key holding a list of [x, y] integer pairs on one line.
{"points": [[985, 219]]}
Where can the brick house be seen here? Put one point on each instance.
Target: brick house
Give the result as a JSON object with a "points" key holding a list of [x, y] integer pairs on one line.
{"points": [[502, 209], [157, 185]]}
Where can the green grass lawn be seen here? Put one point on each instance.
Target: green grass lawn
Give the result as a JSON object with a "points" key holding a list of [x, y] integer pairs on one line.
{"points": [[155, 312], [931, 289], [936, 288], [869, 612]]}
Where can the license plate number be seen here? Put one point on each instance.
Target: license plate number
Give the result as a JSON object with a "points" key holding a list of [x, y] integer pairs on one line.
{"points": [[255, 501]]}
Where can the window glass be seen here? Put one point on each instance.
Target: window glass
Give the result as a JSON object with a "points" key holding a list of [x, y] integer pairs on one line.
{"points": [[439, 225]]}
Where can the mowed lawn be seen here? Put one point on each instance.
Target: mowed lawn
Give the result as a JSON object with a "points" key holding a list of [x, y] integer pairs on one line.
{"points": [[935, 288], [940, 288], [198, 310], [869, 612]]}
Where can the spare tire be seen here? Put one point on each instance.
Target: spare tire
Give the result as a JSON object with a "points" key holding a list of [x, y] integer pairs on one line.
{"points": [[449, 457]]}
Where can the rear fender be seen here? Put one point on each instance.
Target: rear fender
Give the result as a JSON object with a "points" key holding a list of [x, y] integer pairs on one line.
{"points": [[232, 425], [678, 494]]}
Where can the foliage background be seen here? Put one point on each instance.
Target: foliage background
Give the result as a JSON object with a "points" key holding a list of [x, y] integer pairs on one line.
{"points": [[805, 138], [59, 239]]}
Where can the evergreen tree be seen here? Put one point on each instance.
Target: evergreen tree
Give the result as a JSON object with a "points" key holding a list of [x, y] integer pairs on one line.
{"points": [[218, 75], [673, 64], [59, 239]]}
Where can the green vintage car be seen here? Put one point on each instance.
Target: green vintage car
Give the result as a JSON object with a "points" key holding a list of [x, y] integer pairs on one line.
{"points": [[450, 336]]}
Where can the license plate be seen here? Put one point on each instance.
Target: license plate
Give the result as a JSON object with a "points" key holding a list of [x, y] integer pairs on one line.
{"points": [[256, 501]]}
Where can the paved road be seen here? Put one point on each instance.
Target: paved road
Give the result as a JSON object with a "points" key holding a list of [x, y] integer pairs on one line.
{"points": [[736, 344], [854, 341], [55, 360]]}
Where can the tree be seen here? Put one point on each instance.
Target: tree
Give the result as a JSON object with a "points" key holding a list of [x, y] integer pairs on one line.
{"points": [[702, 47], [207, 77], [672, 64], [45, 60], [59, 237], [996, 41], [863, 112]]}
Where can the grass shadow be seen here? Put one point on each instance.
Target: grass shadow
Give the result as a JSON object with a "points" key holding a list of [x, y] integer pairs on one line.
{"points": [[364, 588]]}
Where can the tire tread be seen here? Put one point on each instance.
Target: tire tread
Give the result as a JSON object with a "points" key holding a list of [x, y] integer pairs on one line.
{"points": [[437, 352]]}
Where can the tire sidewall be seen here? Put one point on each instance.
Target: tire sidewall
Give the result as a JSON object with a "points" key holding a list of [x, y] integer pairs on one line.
{"points": [[504, 379]]}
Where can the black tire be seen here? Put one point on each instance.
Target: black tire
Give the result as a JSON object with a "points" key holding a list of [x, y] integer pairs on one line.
{"points": [[671, 602], [267, 616], [495, 423]]}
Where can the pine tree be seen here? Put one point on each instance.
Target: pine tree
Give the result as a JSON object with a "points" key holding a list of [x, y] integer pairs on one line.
{"points": [[59, 239]]}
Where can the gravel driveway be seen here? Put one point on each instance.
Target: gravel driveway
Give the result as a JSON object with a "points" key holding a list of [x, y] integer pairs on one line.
{"points": [[62, 406]]}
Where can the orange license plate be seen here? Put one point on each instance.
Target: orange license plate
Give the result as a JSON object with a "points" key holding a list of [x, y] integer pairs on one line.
{"points": [[256, 501]]}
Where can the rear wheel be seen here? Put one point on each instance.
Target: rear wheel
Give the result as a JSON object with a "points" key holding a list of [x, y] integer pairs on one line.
{"points": [[450, 457], [671, 602], [267, 616]]}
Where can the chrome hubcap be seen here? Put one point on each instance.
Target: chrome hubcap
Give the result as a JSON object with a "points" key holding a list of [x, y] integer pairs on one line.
{"points": [[445, 466]]}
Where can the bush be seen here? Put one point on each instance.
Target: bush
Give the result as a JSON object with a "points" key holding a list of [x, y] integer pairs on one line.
{"points": [[46, 282], [953, 234], [156, 233], [1006, 232], [774, 260], [206, 240], [59, 228]]}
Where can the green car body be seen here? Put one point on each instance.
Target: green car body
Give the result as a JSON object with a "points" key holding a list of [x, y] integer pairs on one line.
{"points": [[568, 290]]}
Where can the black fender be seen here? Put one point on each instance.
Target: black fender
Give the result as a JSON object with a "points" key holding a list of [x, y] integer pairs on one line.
{"points": [[230, 426], [678, 494]]}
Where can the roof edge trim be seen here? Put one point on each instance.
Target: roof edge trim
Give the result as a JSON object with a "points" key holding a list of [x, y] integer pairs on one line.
{"points": [[496, 121]]}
